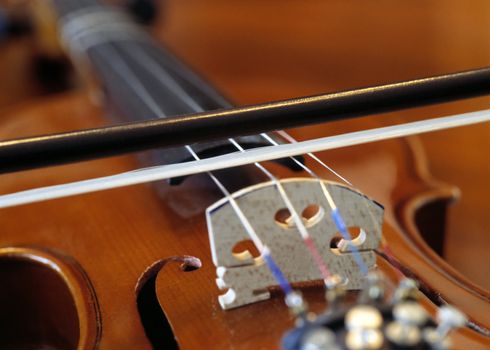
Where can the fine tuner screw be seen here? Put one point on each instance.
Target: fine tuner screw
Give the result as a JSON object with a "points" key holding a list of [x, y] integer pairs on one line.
{"points": [[298, 307], [373, 323], [364, 328], [408, 289], [335, 286], [449, 318], [320, 339], [375, 289], [405, 329]]}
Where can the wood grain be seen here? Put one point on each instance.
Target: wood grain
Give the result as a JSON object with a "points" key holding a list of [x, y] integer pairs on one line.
{"points": [[255, 52]]}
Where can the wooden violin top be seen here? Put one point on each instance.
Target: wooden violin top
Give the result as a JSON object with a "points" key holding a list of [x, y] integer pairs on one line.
{"points": [[85, 261]]}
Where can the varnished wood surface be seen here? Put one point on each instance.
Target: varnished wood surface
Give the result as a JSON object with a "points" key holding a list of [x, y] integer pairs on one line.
{"points": [[46, 300], [287, 49], [256, 51], [17, 79], [116, 235]]}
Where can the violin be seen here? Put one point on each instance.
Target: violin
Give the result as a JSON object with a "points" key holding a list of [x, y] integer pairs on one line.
{"points": [[183, 263]]}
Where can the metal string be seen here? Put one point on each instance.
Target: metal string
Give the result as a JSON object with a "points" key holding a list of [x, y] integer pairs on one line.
{"points": [[235, 159], [291, 139], [337, 218], [320, 263], [150, 64], [334, 211], [335, 214], [263, 249], [357, 256]]}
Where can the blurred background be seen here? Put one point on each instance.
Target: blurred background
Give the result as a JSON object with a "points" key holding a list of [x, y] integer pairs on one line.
{"points": [[257, 51]]}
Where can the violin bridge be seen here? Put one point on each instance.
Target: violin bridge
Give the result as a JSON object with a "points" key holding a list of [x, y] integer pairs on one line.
{"points": [[245, 276]]}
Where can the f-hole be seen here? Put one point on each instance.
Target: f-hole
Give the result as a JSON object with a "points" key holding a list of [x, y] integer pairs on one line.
{"points": [[155, 323]]}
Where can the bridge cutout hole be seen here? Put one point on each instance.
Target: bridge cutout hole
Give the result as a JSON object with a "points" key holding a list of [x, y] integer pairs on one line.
{"points": [[339, 245], [312, 215], [284, 218], [245, 250]]}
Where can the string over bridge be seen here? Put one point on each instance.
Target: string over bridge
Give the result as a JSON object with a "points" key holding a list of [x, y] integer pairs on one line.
{"points": [[246, 277]]}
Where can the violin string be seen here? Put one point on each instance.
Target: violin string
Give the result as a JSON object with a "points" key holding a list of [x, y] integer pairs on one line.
{"points": [[334, 211], [174, 86], [261, 247], [377, 225], [335, 214], [231, 160], [337, 218], [236, 159], [149, 63], [191, 102], [166, 79], [291, 139], [307, 239]]}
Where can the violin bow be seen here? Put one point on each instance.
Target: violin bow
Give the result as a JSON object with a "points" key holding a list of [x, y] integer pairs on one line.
{"points": [[61, 148]]}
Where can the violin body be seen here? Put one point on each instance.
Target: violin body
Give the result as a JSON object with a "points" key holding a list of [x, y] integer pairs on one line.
{"points": [[98, 269]]}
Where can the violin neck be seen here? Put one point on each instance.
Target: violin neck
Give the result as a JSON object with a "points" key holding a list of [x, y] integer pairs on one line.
{"points": [[141, 79]]}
